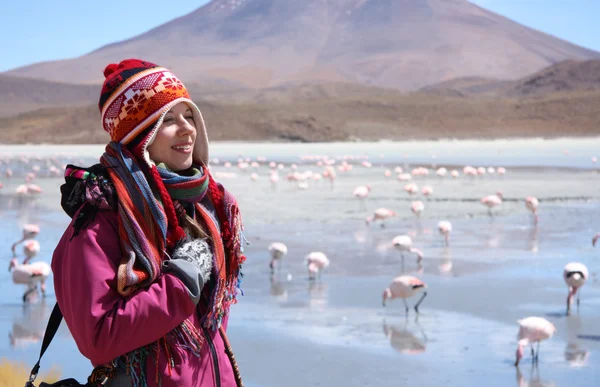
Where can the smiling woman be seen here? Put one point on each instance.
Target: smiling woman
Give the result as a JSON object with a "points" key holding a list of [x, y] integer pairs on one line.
{"points": [[153, 237], [175, 139]]}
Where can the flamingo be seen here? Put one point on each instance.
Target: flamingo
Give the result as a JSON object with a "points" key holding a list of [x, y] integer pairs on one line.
{"points": [[31, 248], [574, 274], [380, 214], [427, 190], [533, 330], [30, 274], [316, 261], [417, 207], [411, 188], [30, 231], [595, 239], [277, 250], [404, 244], [404, 287], [492, 201], [445, 228], [361, 192], [531, 202]]}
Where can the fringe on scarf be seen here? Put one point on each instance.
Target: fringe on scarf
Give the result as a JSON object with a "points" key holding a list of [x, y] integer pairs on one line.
{"points": [[185, 337]]}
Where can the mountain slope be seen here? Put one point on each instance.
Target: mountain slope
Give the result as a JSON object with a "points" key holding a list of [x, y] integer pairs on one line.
{"points": [[405, 44]]}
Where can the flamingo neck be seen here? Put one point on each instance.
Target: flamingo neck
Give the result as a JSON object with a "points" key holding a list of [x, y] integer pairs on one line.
{"points": [[572, 292], [14, 246]]}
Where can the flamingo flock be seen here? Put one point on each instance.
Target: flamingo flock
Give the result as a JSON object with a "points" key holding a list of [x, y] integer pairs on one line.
{"points": [[31, 274], [532, 330]]}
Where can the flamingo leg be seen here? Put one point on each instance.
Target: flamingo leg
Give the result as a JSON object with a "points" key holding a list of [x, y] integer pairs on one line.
{"points": [[28, 292], [537, 354], [405, 305], [419, 303]]}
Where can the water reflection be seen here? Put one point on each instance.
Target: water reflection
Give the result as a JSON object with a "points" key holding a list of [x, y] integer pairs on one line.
{"points": [[317, 294], [279, 288], [29, 325], [533, 239], [575, 355], [534, 379], [446, 266], [403, 340]]}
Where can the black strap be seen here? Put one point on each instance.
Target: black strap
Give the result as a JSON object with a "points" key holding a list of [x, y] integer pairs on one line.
{"points": [[51, 328]]}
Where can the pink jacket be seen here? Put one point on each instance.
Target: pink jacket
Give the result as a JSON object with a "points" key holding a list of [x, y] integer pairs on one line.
{"points": [[105, 325]]}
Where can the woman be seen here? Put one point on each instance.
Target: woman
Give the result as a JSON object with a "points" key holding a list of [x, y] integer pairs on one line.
{"points": [[147, 270]]}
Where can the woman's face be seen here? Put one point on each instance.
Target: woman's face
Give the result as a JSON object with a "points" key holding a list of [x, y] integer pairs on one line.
{"points": [[175, 139]]}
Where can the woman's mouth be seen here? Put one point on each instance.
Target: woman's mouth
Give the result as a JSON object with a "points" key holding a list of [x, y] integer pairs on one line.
{"points": [[185, 149]]}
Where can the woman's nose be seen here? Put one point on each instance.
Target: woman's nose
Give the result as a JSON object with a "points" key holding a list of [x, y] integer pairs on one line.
{"points": [[186, 127]]}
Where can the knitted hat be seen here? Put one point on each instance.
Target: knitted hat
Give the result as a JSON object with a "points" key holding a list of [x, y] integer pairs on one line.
{"points": [[134, 99]]}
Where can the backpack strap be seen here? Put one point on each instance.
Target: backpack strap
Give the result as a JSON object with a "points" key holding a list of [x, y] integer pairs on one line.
{"points": [[53, 324]]}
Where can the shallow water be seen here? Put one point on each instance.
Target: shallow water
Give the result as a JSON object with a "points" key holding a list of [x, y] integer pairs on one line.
{"points": [[288, 331]]}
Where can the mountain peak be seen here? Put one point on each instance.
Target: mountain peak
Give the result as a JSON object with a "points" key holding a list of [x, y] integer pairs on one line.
{"points": [[405, 44]]}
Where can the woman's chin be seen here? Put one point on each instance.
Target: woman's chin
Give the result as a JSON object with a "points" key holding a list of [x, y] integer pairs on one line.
{"points": [[180, 165]]}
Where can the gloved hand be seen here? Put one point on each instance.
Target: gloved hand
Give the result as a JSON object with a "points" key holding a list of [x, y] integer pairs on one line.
{"points": [[191, 261]]}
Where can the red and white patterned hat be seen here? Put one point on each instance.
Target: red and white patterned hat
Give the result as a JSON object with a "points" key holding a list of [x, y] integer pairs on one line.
{"points": [[134, 99]]}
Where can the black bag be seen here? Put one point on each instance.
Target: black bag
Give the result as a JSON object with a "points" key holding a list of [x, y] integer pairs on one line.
{"points": [[97, 378]]}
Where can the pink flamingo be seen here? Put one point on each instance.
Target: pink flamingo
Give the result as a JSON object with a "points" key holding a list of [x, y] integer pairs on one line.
{"points": [[404, 287], [404, 177], [380, 214], [492, 201], [362, 193], [595, 239], [445, 228], [317, 262], [533, 330], [417, 207], [411, 188], [531, 202], [30, 231], [277, 250], [427, 190], [30, 274], [31, 248], [404, 244], [575, 274]]}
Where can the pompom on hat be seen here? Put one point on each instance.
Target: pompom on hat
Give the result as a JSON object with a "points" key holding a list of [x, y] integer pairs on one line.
{"points": [[135, 97]]}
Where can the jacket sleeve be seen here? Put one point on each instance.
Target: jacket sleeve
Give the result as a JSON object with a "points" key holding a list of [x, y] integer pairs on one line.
{"points": [[103, 323]]}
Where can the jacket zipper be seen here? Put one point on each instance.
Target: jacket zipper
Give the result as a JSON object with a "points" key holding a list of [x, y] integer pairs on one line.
{"points": [[213, 353]]}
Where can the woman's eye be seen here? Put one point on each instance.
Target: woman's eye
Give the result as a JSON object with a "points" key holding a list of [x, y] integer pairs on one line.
{"points": [[189, 118], [168, 119]]}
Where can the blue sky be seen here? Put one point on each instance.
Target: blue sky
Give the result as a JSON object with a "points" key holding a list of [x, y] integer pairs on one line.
{"points": [[42, 30]]}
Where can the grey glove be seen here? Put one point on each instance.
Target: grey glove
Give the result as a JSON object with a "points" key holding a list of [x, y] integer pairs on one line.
{"points": [[191, 262]]}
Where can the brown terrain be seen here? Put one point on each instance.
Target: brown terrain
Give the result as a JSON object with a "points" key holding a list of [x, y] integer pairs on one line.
{"points": [[326, 70], [350, 112]]}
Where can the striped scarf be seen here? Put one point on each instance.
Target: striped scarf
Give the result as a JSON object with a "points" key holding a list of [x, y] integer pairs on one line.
{"points": [[148, 226], [190, 189]]}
